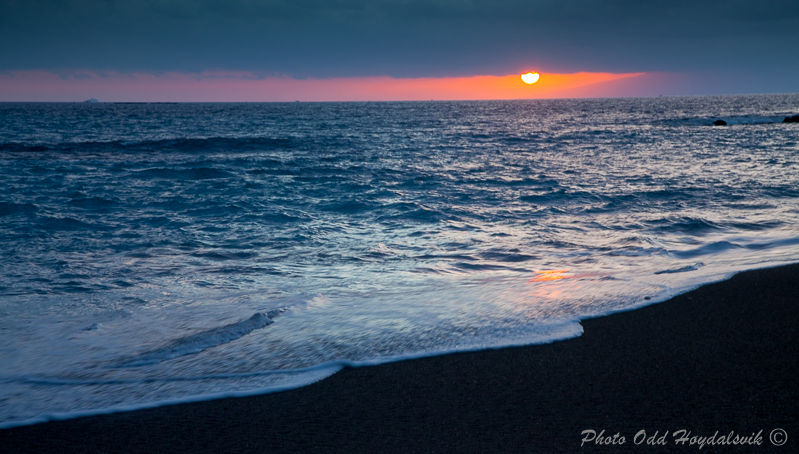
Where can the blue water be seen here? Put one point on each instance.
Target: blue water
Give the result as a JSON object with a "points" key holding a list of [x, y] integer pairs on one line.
{"points": [[164, 252]]}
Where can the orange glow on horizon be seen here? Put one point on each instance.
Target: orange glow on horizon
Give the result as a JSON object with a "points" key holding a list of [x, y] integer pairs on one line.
{"points": [[228, 86]]}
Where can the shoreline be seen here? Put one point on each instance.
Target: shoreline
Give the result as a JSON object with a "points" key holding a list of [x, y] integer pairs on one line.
{"points": [[723, 357]]}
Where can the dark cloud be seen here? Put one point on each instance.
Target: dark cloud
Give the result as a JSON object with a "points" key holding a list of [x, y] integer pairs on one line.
{"points": [[323, 38]]}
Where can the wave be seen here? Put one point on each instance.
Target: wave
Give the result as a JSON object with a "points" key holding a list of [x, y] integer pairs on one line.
{"points": [[68, 224], [308, 376], [222, 256], [92, 203], [8, 209], [204, 340], [683, 269], [561, 197], [731, 120], [683, 224], [303, 376], [707, 249], [174, 144], [199, 173]]}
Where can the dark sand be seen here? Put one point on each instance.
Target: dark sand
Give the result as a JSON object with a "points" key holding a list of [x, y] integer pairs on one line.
{"points": [[721, 358]]}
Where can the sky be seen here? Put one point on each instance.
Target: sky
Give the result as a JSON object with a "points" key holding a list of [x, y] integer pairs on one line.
{"points": [[281, 50]]}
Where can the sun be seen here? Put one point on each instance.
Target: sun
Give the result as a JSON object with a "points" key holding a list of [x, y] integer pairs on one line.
{"points": [[530, 78]]}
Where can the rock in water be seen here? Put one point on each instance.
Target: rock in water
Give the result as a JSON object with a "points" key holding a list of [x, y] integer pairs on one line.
{"points": [[794, 119], [720, 123]]}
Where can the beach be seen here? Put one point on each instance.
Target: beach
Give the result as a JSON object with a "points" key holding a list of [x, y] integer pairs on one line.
{"points": [[414, 227], [722, 359]]}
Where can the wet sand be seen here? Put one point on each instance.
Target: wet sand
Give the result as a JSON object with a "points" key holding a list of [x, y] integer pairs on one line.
{"points": [[724, 357]]}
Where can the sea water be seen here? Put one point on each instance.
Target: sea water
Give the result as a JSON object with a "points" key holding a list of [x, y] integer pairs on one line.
{"points": [[158, 253]]}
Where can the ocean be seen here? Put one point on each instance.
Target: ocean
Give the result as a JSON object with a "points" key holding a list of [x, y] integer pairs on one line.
{"points": [[162, 253]]}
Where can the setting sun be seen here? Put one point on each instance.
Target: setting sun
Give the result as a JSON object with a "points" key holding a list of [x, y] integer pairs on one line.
{"points": [[530, 78]]}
